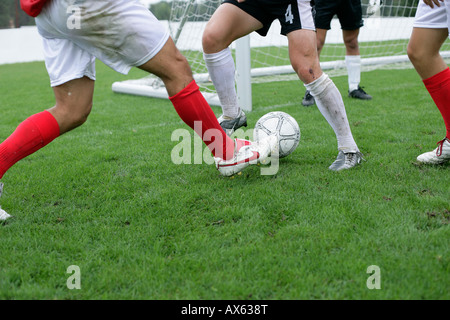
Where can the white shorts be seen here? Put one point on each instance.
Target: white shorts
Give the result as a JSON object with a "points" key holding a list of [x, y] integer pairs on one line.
{"points": [[121, 33], [436, 18]]}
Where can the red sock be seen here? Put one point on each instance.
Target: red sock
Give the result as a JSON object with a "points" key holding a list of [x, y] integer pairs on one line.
{"points": [[34, 133], [193, 109], [439, 88]]}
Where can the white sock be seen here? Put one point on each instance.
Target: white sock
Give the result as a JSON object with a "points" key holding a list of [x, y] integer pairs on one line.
{"points": [[354, 71], [221, 69], [330, 104]]}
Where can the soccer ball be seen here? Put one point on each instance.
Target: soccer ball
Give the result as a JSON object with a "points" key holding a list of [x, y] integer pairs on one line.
{"points": [[283, 126]]}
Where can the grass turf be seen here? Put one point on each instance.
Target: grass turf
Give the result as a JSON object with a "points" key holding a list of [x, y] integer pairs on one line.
{"points": [[107, 198]]}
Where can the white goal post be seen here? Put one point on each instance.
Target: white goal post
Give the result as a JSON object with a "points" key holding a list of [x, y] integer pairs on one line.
{"points": [[383, 40]]}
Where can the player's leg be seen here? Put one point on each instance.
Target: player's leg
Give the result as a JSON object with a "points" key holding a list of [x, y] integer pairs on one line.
{"points": [[32, 134], [73, 95], [324, 13], [423, 51], [353, 64], [73, 105], [350, 18], [231, 156], [73, 85], [305, 61], [227, 24], [173, 69], [137, 39], [431, 29], [321, 34], [351, 42]]}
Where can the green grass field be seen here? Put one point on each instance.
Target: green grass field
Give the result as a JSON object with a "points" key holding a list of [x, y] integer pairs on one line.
{"points": [[108, 199]]}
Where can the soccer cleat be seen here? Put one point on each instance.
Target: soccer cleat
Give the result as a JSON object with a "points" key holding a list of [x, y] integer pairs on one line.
{"points": [[229, 125], [439, 155], [359, 94], [308, 99], [346, 160], [246, 153], [3, 214]]}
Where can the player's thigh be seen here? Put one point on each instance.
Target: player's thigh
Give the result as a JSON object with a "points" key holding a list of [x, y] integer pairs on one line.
{"points": [[303, 54], [426, 42], [227, 24], [423, 51]]}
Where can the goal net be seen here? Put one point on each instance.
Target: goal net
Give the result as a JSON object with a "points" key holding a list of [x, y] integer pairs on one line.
{"points": [[382, 40]]}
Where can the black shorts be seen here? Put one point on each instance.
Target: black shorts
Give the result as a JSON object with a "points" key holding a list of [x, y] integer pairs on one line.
{"points": [[349, 13], [292, 14]]}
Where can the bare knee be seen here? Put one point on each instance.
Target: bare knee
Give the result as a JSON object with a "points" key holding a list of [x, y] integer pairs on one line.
{"points": [[70, 117], [177, 75], [351, 41], [419, 56], [352, 46], [307, 72], [415, 54], [81, 116], [181, 65], [171, 66], [73, 103], [212, 42]]}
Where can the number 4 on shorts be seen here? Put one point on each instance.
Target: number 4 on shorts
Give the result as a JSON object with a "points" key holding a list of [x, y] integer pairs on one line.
{"points": [[289, 16]]}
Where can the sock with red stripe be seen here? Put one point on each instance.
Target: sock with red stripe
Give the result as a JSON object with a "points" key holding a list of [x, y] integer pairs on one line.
{"points": [[193, 109], [439, 88], [31, 135]]}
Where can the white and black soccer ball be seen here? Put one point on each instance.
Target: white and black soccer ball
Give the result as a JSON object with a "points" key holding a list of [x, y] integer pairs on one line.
{"points": [[283, 126]]}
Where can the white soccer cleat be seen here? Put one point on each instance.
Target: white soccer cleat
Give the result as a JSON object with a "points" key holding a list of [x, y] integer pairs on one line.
{"points": [[246, 153], [439, 155], [3, 214]]}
